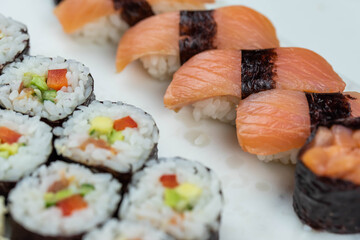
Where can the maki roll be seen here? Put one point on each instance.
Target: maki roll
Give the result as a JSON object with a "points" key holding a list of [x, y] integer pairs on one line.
{"points": [[111, 137], [47, 87], [61, 201], [25, 143], [103, 20], [181, 197], [327, 178], [14, 40], [115, 230]]}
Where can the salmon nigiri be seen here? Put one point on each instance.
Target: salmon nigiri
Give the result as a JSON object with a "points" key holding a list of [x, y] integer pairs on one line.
{"points": [[272, 124], [214, 81], [109, 19], [165, 41]]}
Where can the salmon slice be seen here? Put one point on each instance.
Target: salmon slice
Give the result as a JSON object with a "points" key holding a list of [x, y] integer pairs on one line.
{"points": [[305, 70], [209, 74], [156, 35], [273, 121], [277, 120], [238, 27], [217, 73], [74, 14]]}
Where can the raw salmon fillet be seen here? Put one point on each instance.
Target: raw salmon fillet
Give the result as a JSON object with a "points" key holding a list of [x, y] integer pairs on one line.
{"points": [[218, 73], [238, 27]]}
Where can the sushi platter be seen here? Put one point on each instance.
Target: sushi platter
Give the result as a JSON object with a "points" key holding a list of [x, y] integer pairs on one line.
{"points": [[151, 119]]}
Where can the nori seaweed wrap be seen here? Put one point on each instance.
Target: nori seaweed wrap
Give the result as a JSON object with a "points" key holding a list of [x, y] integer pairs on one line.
{"points": [[327, 186]]}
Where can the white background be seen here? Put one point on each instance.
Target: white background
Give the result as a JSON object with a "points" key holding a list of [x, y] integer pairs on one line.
{"points": [[258, 202]]}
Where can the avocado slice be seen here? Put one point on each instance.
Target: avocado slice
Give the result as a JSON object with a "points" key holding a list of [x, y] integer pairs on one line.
{"points": [[101, 126]]}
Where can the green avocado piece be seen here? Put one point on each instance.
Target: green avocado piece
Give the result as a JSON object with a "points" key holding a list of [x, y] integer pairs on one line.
{"points": [[4, 154], [116, 136], [12, 149], [189, 192], [172, 198], [39, 82], [49, 95], [52, 198], [101, 125], [86, 189]]}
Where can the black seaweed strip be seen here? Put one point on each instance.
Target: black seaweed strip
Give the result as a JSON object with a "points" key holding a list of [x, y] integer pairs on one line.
{"points": [[258, 70], [197, 33], [133, 11]]}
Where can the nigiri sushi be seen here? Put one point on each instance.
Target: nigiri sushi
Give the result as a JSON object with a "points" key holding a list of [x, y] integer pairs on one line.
{"points": [[165, 41], [214, 81], [327, 178], [103, 20], [274, 124]]}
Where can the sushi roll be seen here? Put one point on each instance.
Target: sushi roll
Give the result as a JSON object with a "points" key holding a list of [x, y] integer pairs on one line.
{"points": [[214, 81], [181, 197], [165, 41], [327, 178], [25, 144], [122, 230], [47, 87], [61, 201], [274, 124], [111, 137], [14, 41], [107, 20]]}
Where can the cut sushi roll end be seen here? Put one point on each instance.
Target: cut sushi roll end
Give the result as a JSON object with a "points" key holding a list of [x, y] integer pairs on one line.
{"points": [[75, 199], [109, 137], [327, 183], [180, 197]]}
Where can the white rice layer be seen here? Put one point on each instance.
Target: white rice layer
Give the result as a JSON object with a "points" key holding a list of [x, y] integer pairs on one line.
{"points": [[145, 200], [218, 108], [288, 157], [123, 230], [80, 87], [111, 28], [132, 152], [27, 205], [13, 39], [161, 67], [36, 137]]}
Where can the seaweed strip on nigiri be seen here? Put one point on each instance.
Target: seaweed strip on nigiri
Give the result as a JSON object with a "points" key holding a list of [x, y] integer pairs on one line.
{"points": [[102, 19], [227, 76], [273, 124], [327, 178], [165, 41]]}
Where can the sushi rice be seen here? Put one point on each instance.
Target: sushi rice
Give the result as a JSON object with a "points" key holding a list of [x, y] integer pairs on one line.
{"points": [[111, 28], [14, 40], [37, 140], [80, 87], [145, 200], [132, 151], [119, 230], [27, 204]]}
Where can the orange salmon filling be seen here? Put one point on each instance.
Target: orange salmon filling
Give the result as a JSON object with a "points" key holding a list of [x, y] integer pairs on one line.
{"points": [[335, 154]]}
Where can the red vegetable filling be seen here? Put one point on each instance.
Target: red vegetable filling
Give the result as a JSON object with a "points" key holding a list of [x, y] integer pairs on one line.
{"points": [[126, 122], [8, 136], [169, 181], [57, 79], [72, 204]]}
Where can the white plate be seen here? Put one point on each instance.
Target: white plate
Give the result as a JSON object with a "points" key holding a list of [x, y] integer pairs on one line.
{"points": [[258, 196]]}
